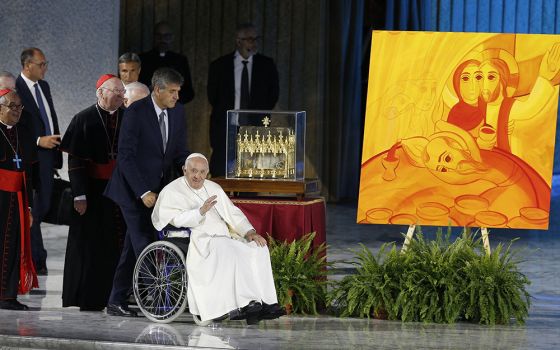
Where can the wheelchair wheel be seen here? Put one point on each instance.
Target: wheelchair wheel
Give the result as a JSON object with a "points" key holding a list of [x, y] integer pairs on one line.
{"points": [[160, 282], [199, 322]]}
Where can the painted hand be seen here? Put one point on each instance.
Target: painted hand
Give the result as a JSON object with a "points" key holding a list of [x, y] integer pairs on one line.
{"points": [[550, 64]]}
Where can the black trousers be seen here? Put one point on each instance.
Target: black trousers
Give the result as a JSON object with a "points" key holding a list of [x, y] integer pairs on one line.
{"points": [[139, 234], [41, 205]]}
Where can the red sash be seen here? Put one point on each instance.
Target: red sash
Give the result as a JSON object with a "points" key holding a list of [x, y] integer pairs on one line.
{"points": [[14, 181], [101, 171]]}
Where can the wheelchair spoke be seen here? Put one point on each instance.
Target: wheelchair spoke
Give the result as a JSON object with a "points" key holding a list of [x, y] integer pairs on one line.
{"points": [[160, 283]]}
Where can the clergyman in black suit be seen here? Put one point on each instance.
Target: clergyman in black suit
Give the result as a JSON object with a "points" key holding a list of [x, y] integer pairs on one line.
{"points": [[243, 79], [152, 142], [162, 56], [40, 118]]}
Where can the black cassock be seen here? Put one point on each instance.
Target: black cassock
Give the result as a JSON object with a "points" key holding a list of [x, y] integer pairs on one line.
{"points": [[19, 140], [95, 239]]}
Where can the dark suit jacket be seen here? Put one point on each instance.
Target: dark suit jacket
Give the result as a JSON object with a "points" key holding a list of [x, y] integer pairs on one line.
{"points": [[141, 164], [151, 61], [221, 95], [31, 117], [221, 91]]}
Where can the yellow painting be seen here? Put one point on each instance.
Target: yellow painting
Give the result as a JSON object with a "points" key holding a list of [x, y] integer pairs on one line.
{"points": [[460, 129]]}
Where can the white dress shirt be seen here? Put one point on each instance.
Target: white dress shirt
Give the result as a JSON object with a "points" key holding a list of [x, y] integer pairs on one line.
{"points": [[237, 70], [31, 85]]}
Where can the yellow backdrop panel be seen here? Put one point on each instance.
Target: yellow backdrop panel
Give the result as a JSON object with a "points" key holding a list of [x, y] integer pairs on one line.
{"points": [[460, 129]]}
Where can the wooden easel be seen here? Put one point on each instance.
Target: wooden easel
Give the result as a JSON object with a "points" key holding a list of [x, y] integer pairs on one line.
{"points": [[483, 231], [485, 239]]}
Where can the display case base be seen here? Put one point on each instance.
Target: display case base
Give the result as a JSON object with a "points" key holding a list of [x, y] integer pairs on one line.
{"points": [[299, 189]]}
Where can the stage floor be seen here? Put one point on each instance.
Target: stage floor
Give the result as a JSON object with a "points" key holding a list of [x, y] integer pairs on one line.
{"points": [[49, 326]]}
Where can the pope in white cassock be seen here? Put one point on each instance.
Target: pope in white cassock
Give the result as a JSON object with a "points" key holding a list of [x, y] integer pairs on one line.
{"points": [[228, 263]]}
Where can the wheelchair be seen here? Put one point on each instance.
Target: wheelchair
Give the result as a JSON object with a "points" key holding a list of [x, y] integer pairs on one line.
{"points": [[160, 277]]}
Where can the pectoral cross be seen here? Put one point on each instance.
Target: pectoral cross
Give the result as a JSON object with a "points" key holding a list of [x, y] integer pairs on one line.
{"points": [[112, 155], [17, 160]]}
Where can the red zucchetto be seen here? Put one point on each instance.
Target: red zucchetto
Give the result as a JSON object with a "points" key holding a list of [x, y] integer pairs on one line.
{"points": [[103, 79]]}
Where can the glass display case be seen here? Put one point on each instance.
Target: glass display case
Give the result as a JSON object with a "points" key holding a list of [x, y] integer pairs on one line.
{"points": [[265, 145]]}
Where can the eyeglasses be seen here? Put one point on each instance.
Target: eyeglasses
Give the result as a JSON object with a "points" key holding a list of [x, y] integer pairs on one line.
{"points": [[251, 39], [17, 108], [42, 64], [116, 91]]}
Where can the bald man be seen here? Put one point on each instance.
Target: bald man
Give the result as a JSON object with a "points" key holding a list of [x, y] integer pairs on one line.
{"points": [[40, 118], [134, 92]]}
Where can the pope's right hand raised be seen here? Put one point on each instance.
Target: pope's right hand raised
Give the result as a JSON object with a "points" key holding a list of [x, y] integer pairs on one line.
{"points": [[208, 204]]}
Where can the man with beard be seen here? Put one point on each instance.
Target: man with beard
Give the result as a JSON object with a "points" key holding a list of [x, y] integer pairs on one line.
{"points": [[96, 233], [17, 153], [497, 88]]}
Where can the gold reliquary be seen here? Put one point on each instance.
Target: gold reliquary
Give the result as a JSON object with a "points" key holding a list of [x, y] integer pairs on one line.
{"points": [[265, 145]]}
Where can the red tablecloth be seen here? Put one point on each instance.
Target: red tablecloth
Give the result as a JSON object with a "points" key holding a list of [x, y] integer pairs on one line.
{"points": [[286, 219]]}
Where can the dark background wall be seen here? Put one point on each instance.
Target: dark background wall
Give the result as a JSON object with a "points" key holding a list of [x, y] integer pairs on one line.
{"points": [[293, 34], [317, 46]]}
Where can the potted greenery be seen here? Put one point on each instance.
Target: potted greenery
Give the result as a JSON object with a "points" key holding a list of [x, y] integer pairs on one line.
{"points": [[372, 290], [299, 273], [436, 281]]}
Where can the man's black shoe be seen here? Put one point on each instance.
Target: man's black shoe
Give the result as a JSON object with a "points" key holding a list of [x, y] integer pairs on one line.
{"points": [[13, 304], [42, 271], [250, 310], [272, 311], [253, 319], [120, 310]]}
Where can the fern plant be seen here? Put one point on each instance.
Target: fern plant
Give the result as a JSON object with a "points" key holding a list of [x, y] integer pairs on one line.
{"points": [[436, 281], [371, 290], [432, 284], [495, 289], [300, 273]]}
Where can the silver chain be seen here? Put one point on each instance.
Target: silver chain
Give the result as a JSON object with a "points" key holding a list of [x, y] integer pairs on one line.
{"points": [[9, 143], [110, 144]]}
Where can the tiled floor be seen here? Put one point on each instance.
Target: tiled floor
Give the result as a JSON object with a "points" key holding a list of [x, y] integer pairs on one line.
{"points": [[49, 326]]}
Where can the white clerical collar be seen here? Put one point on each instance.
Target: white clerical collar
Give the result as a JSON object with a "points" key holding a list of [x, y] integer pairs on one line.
{"points": [[7, 126], [106, 110]]}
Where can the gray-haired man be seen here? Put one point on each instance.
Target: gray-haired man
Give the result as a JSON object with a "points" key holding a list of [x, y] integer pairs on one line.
{"points": [[152, 144], [129, 67]]}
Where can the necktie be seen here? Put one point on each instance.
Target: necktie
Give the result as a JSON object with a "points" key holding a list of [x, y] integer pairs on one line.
{"points": [[162, 129], [244, 100], [42, 110]]}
